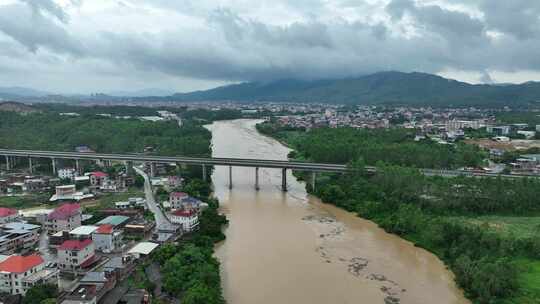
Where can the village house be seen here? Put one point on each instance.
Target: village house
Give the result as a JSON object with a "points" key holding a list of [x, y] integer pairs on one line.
{"points": [[189, 220], [18, 237], [3, 186], [64, 218], [65, 192], [82, 232], [98, 179], [19, 273], [176, 199], [67, 173], [107, 239], [116, 221], [174, 181], [75, 255], [8, 215]]}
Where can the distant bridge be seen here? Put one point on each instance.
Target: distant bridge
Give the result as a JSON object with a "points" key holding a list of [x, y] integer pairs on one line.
{"points": [[128, 159], [214, 161]]}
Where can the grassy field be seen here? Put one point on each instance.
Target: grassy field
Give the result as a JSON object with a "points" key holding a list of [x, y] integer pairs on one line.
{"points": [[108, 200], [529, 282], [515, 226], [23, 202]]}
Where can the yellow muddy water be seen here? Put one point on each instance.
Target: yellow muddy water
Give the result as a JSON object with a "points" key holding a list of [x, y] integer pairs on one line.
{"points": [[291, 248]]}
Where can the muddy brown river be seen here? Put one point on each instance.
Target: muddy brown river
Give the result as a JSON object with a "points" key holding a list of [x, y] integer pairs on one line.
{"points": [[291, 248]]}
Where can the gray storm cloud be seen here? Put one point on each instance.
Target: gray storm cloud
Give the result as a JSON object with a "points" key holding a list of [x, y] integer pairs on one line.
{"points": [[231, 45]]}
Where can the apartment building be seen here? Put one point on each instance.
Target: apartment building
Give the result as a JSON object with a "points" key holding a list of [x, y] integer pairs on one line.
{"points": [[19, 273], [18, 237], [75, 255], [64, 218]]}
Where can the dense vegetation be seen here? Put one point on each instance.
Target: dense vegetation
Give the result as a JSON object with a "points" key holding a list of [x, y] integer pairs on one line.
{"points": [[50, 131], [190, 272], [41, 294], [378, 88], [393, 146], [433, 212]]}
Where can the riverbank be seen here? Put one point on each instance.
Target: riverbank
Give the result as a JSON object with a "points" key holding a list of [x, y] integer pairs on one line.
{"points": [[309, 251], [188, 270], [491, 267]]}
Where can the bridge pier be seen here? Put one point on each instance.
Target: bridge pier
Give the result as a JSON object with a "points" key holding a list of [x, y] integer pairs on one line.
{"points": [[284, 179], [7, 163], [129, 168], [77, 167], [30, 165], [204, 172], [53, 161], [313, 180], [257, 179], [230, 177], [152, 170]]}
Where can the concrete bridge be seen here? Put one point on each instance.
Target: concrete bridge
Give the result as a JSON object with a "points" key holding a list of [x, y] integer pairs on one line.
{"points": [[129, 159]]}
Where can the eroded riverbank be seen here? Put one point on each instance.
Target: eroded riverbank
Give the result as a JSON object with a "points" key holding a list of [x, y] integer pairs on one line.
{"points": [[291, 248]]}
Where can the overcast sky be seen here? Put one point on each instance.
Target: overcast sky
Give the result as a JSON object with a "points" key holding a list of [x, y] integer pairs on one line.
{"points": [[73, 46]]}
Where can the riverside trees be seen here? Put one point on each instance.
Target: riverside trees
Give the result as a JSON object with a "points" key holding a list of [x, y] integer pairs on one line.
{"points": [[489, 266]]}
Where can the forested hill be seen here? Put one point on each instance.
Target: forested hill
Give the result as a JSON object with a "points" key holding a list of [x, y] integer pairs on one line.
{"points": [[379, 88]]}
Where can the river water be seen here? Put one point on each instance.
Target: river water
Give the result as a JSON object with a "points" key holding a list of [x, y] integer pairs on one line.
{"points": [[291, 248]]}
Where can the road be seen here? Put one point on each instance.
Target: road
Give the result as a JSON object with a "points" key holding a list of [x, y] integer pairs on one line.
{"points": [[160, 217]]}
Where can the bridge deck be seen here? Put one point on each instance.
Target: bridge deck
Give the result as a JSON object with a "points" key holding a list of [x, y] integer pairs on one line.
{"points": [[235, 162]]}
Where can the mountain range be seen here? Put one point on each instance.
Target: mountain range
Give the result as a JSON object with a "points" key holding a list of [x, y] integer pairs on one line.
{"points": [[378, 88], [396, 88]]}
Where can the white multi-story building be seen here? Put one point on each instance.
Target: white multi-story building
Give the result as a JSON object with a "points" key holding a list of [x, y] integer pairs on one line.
{"points": [[176, 199], [64, 218], [106, 239], [75, 255], [19, 273], [18, 237], [67, 173], [188, 219]]}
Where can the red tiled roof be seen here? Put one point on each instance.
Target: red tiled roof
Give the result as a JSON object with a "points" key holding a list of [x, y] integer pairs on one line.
{"points": [[65, 211], [178, 194], [91, 260], [99, 174], [7, 212], [184, 213], [75, 244], [20, 264], [105, 229]]}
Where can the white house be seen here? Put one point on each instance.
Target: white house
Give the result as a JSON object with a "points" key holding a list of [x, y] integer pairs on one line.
{"points": [[67, 173], [20, 273], [106, 239], [74, 255], [188, 219]]}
